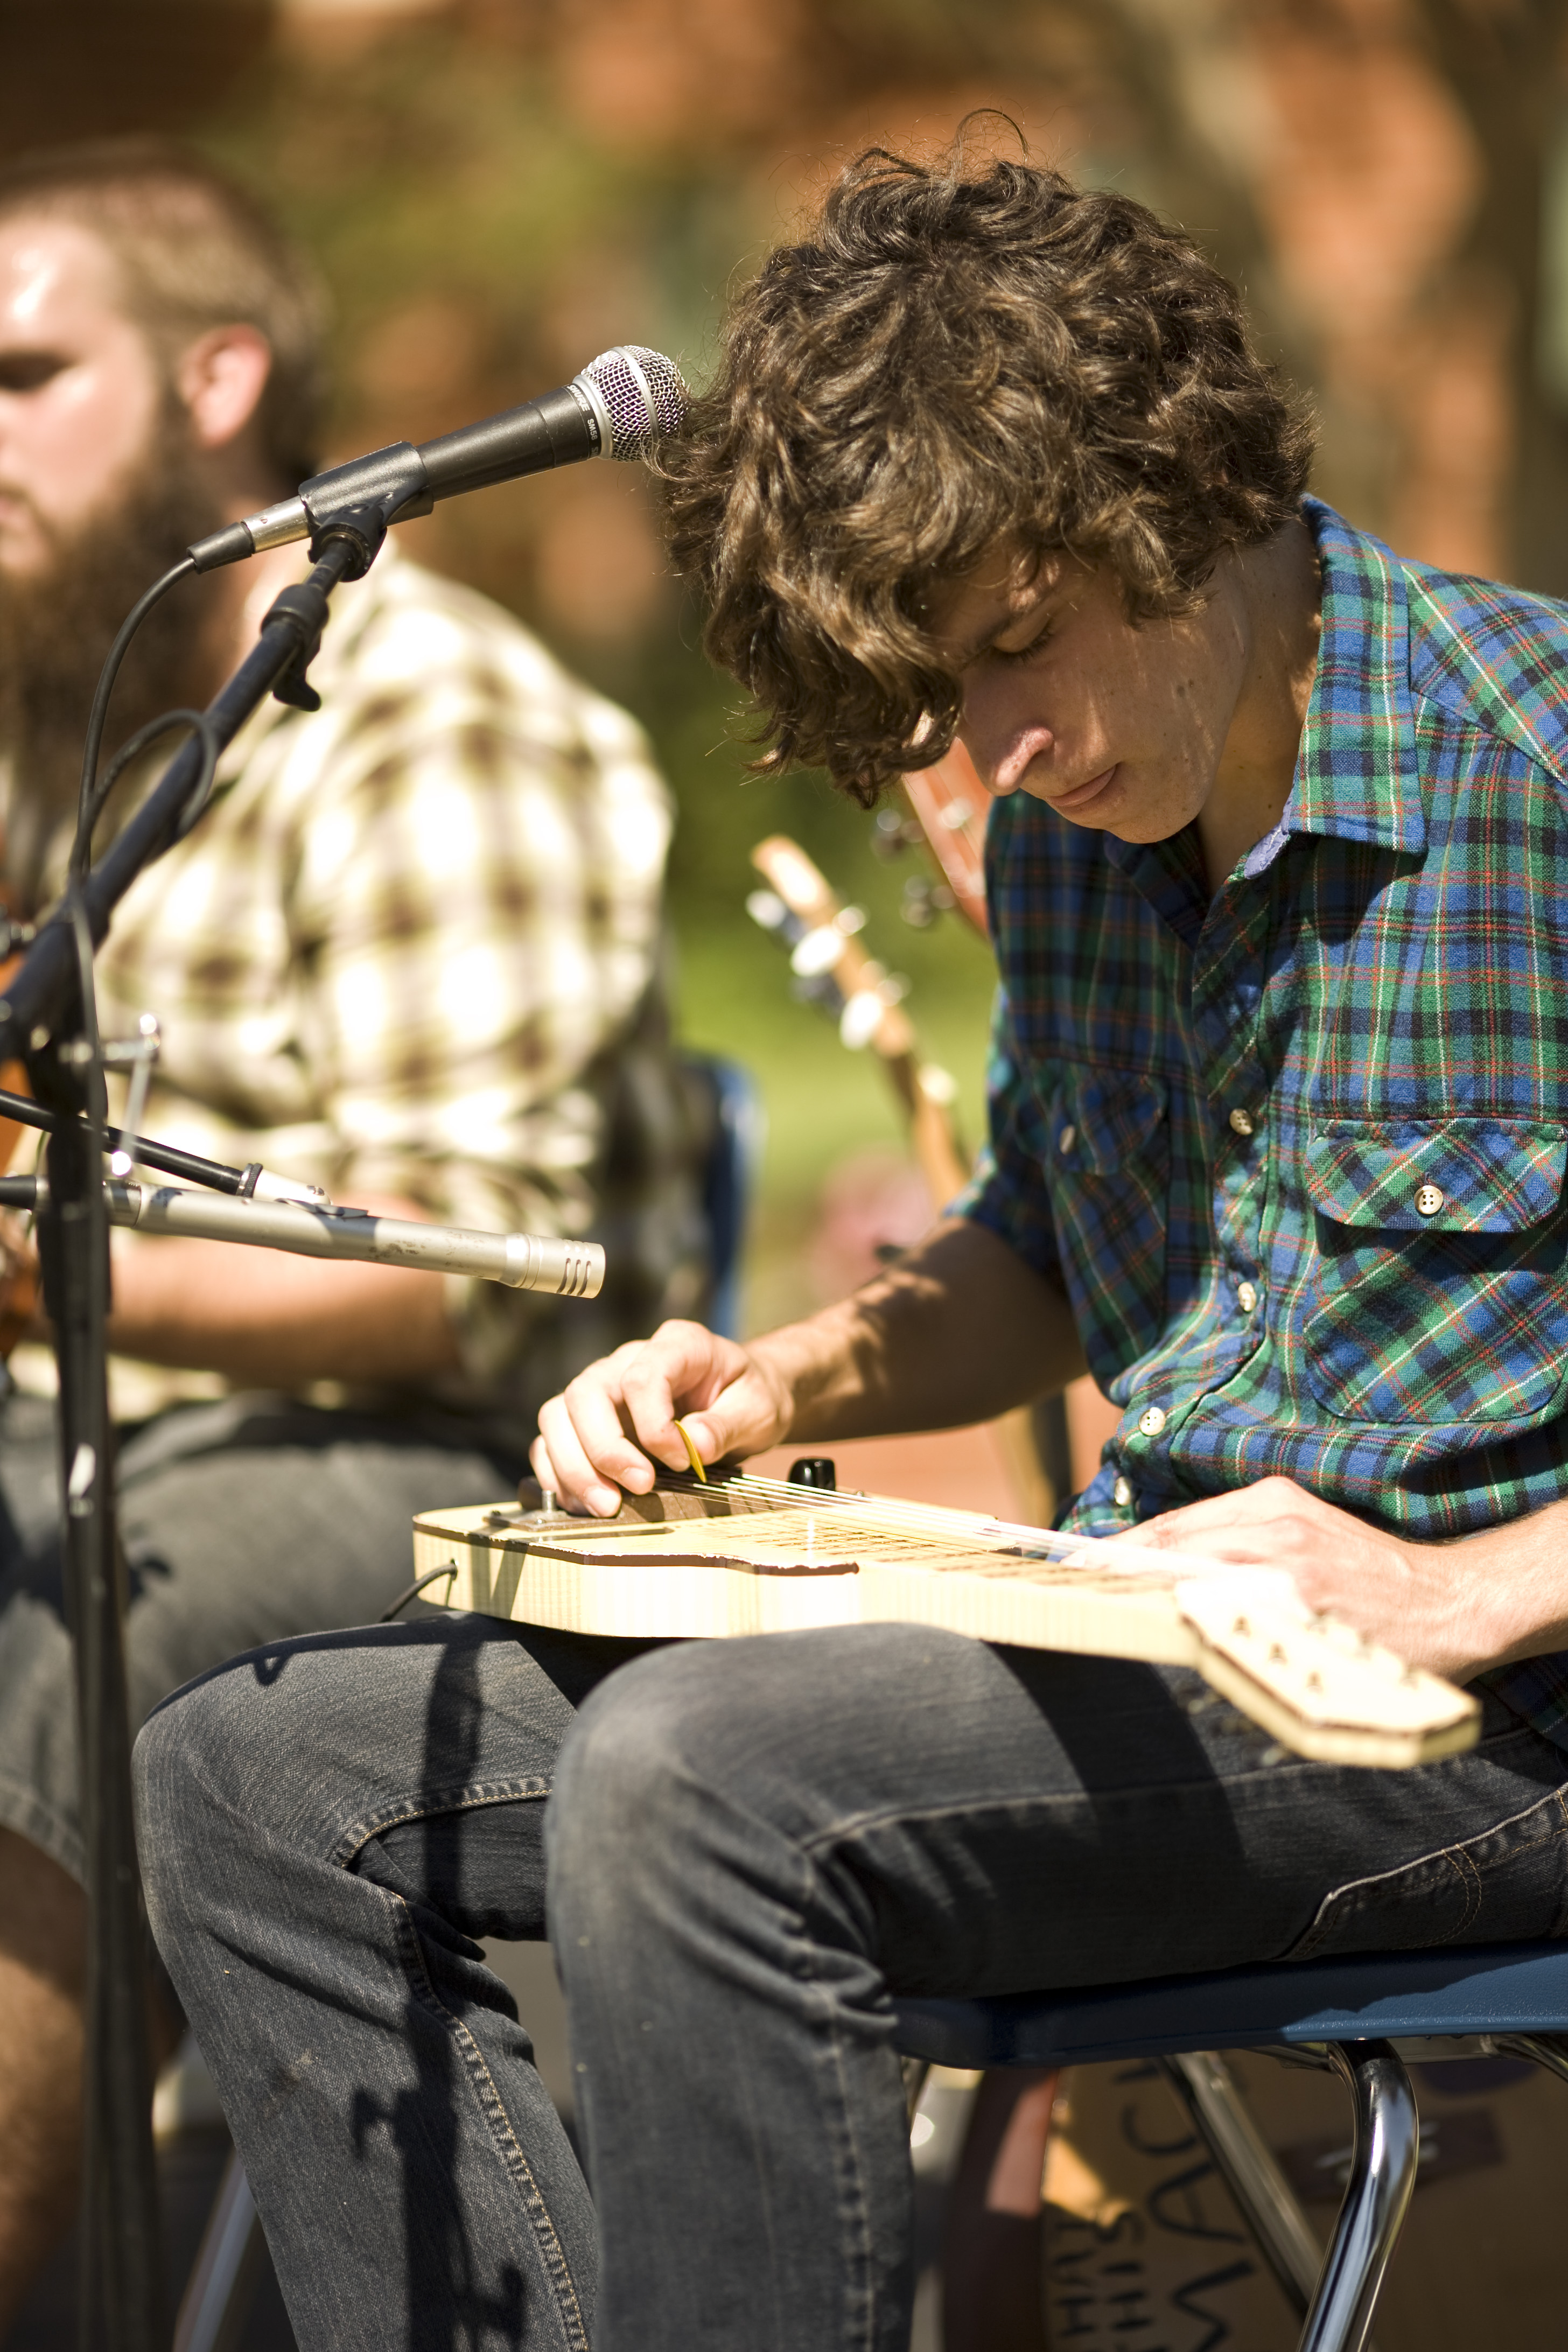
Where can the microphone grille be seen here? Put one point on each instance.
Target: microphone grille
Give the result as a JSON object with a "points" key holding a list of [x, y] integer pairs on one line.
{"points": [[637, 396]]}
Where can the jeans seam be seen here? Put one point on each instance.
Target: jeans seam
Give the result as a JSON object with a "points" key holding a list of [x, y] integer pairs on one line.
{"points": [[467, 1798], [849, 1828], [854, 2169], [1461, 1860], [840, 2135], [492, 2108]]}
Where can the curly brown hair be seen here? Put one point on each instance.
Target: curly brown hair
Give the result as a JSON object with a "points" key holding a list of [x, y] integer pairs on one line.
{"points": [[947, 361]]}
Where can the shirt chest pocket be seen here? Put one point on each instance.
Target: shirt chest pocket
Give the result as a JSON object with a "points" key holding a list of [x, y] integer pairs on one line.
{"points": [[1440, 1292], [1107, 1148]]}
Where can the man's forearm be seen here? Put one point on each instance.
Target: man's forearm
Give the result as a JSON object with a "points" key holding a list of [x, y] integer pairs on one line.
{"points": [[958, 1332], [263, 1317], [1513, 1585]]}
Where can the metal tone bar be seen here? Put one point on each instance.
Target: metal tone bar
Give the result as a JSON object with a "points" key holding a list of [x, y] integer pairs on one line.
{"points": [[228, 2264], [1247, 2164], [1383, 2174]]}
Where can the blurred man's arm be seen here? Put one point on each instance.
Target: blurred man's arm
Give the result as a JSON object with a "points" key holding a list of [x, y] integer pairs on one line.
{"points": [[263, 1319], [958, 1332]]}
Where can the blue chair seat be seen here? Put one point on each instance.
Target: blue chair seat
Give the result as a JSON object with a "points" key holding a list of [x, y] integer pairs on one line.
{"points": [[1347, 2014], [1464, 1990]]}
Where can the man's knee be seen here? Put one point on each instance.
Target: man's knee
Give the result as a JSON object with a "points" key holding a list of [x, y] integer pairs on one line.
{"points": [[232, 1762], [190, 1768], [652, 1772]]}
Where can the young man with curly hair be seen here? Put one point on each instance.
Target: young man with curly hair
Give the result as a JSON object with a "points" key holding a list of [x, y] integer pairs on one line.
{"points": [[1279, 1134]]}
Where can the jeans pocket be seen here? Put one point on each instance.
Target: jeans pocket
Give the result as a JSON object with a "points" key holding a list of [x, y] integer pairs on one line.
{"points": [[1507, 1885]]}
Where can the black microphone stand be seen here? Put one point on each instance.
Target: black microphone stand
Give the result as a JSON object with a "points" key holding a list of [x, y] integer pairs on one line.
{"points": [[46, 1020]]}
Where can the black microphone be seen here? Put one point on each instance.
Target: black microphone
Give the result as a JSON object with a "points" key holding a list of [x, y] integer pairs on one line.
{"points": [[620, 405]]}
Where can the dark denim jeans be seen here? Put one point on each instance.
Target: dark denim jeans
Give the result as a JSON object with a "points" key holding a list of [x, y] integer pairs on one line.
{"points": [[749, 1845]]}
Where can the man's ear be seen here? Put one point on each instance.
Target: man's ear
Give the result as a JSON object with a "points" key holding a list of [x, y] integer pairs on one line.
{"points": [[220, 380]]}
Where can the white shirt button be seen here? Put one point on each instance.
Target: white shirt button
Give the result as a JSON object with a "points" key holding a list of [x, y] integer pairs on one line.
{"points": [[1241, 1122], [1152, 1422], [1246, 1296], [1429, 1200], [1067, 1139], [1121, 1494]]}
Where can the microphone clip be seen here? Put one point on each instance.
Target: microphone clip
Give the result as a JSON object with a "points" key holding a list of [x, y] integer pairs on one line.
{"points": [[390, 486], [302, 611]]}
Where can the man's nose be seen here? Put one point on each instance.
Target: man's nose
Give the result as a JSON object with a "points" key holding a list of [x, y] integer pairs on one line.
{"points": [[1002, 735], [1004, 756]]}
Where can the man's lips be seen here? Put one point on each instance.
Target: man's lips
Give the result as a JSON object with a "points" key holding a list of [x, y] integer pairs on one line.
{"points": [[1080, 796]]}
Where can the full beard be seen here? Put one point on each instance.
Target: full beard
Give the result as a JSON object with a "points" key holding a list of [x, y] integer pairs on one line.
{"points": [[57, 624]]}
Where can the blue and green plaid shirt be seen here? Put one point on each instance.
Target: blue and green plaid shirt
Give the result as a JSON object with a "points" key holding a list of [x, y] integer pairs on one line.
{"points": [[1297, 1151]]}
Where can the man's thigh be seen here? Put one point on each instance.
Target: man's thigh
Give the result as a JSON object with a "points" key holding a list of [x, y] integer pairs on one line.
{"points": [[243, 1525], [979, 1818]]}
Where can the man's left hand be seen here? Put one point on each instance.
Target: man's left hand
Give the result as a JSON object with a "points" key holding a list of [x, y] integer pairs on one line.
{"points": [[1427, 1602]]}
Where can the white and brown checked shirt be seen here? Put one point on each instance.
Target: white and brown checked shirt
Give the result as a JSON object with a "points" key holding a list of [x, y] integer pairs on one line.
{"points": [[413, 947]]}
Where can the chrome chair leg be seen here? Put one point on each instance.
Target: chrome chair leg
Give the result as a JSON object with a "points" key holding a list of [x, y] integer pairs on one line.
{"points": [[1383, 2174], [1548, 2050], [1248, 2165], [227, 2267]]}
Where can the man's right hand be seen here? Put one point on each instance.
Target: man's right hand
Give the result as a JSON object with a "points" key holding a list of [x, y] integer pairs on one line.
{"points": [[958, 1331], [598, 1438]]}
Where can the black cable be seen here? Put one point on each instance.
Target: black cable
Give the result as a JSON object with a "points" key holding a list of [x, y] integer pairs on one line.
{"points": [[95, 1084], [213, 1173], [201, 727], [106, 678], [418, 1587]]}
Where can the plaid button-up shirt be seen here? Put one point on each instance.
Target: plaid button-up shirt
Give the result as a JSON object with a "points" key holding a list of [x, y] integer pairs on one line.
{"points": [[413, 947], [1296, 1152]]}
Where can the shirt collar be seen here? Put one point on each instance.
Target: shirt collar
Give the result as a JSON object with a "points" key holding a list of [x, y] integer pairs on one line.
{"points": [[1356, 772]]}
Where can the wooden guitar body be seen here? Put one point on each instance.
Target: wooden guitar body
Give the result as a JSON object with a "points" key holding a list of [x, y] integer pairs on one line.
{"points": [[746, 1555]]}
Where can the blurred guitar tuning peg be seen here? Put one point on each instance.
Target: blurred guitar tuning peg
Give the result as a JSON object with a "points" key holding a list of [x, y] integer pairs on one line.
{"points": [[923, 900]]}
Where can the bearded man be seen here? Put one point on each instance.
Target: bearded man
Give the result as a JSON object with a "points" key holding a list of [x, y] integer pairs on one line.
{"points": [[410, 953]]}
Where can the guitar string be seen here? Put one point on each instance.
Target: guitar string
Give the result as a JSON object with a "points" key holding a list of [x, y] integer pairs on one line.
{"points": [[931, 1518], [1050, 1544]]}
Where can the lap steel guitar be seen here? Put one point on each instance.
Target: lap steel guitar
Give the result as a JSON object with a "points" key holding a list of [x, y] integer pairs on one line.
{"points": [[741, 1554]]}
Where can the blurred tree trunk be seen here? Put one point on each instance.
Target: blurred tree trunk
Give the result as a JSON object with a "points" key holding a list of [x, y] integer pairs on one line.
{"points": [[1439, 426], [1502, 61]]}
